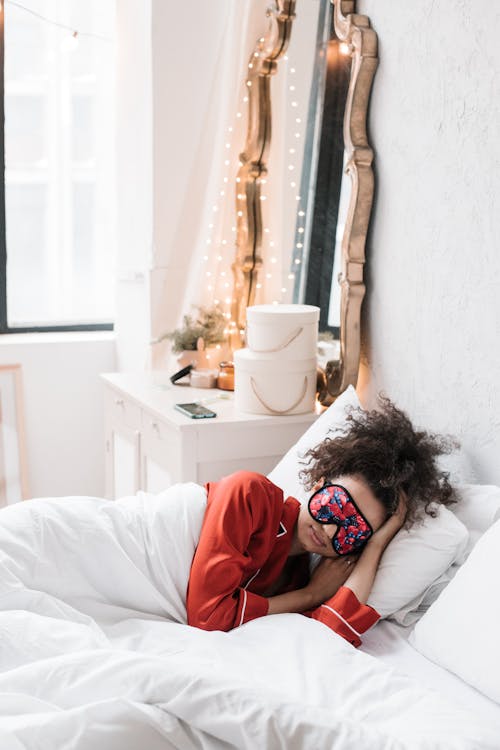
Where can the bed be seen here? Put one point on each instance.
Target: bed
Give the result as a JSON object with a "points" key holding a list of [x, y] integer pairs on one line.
{"points": [[95, 652]]}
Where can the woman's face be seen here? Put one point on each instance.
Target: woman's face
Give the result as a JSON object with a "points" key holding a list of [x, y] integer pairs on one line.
{"points": [[316, 537]]}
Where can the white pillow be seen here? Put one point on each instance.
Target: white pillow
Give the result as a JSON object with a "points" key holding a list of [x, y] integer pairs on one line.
{"points": [[460, 630], [286, 473], [478, 505], [414, 559]]}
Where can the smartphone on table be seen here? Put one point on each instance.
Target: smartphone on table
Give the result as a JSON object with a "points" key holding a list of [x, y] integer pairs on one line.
{"points": [[195, 411]]}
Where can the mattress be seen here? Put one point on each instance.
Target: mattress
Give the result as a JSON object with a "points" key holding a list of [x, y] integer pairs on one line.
{"points": [[388, 642]]}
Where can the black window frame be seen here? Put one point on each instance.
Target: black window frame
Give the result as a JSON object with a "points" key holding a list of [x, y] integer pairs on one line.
{"points": [[4, 324]]}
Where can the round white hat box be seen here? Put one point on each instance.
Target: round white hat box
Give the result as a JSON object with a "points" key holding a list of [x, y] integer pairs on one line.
{"points": [[288, 330], [267, 385]]}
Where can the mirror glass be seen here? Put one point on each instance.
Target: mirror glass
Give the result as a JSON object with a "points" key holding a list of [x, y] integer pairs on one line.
{"points": [[325, 185]]}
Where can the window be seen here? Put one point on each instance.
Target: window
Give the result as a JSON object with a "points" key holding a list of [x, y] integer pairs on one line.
{"points": [[57, 239]]}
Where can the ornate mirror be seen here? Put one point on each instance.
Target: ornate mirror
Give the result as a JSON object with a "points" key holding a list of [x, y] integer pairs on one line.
{"points": [[324, 238]]}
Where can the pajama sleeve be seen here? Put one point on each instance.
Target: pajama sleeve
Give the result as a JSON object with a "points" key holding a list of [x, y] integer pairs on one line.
{"points": [[238, 505], [345, 614]]}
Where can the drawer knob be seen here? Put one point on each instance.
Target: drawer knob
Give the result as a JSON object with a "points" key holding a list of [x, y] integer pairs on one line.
{"points": [[155, 426], [119, 402]]}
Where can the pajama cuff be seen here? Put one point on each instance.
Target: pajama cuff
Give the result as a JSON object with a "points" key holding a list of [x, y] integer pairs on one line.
{"points": [[345, 614]]}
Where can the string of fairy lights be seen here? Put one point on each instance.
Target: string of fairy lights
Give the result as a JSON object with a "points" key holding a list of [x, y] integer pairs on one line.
{"points": [[276, 282], [69, 42]]}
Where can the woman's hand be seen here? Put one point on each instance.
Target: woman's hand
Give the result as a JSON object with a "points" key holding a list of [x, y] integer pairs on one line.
{"points": [[330, 574]]}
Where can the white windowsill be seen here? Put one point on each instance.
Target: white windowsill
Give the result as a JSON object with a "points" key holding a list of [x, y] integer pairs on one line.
{"points": [[55, 337]]}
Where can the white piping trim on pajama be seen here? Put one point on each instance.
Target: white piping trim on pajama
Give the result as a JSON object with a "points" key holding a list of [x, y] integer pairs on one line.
{"points": [[251, 579], [342, 619], [243, 609]]}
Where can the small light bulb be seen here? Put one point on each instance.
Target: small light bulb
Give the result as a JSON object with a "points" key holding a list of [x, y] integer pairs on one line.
{"points": [[291, 150], [258, 286], [273, 260], [302, 213], [294, 104], [297, 261], [300, 230], [269, 276], [299, 245]]}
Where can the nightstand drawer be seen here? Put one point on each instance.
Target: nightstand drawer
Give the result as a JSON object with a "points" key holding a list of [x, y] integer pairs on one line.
{"points": [[122, 411], [158, 431], [162, 454]]}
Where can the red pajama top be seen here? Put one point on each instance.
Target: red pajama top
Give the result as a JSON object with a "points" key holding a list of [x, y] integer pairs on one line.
{"points": [[244, 545]]}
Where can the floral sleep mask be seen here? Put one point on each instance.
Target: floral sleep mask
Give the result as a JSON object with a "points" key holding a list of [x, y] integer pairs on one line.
{"points": [[333, 504]]}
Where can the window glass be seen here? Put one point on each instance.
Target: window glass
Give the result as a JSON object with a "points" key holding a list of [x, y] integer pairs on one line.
{"points": [[59, 169]]}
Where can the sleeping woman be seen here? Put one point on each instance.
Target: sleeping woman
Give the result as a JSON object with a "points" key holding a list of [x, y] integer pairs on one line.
{"points": [[254, 552]]}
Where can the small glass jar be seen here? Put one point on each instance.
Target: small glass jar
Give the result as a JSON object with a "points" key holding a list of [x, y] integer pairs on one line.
{"points": [[225, 379]]}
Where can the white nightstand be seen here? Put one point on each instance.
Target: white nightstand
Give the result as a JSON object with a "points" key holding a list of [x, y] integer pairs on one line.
{"points": [[150, 445]]}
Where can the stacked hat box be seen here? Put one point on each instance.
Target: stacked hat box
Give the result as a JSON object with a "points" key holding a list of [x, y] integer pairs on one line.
{"points": [[276, 373]]}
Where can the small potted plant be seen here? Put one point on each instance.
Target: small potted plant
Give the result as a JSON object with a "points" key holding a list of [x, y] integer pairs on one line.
{"points": [[201, 339]]}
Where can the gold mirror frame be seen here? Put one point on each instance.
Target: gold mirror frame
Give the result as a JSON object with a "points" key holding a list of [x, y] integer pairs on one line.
{"points": [[360, 39], [354, 31], [262, 65]]}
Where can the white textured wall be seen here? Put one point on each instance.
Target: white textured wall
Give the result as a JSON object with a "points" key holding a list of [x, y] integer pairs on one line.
{"points": [[433, 307]]}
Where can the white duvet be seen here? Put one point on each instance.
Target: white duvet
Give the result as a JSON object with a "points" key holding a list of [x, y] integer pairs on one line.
{"points": [[95, 652]]}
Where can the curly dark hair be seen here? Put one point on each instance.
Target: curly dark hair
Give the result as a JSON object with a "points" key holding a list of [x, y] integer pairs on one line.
{"points": [[384, 448]]}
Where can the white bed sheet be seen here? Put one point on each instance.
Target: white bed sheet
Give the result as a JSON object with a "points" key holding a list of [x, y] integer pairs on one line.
{"points": [[95, 655], [388, 642]]}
